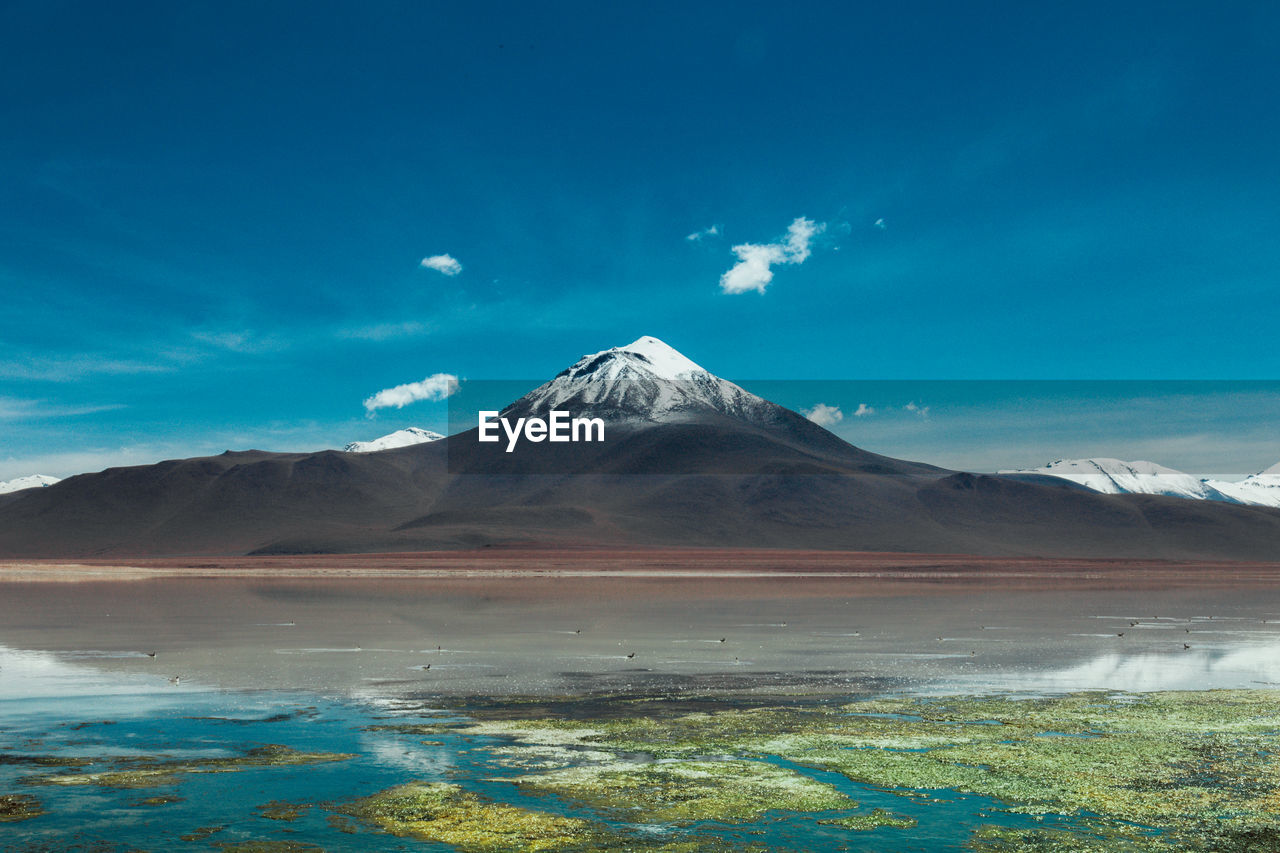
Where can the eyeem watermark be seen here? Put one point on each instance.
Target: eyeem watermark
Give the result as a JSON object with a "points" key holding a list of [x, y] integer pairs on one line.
{"points": [[561, 426]]}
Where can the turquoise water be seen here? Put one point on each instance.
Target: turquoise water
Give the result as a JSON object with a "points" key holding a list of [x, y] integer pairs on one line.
{"points": [[195, 724]]}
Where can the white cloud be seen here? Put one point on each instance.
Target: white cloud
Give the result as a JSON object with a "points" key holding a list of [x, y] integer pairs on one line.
{"points": [[435, 387], [799, 234], [447, 264], [753, 271], [880, 224], [824, 415], [922, 411], [863, 410], [713, 231]]}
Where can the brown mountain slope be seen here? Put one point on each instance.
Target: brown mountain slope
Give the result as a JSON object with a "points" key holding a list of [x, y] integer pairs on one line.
{"points": [[713, 483]]}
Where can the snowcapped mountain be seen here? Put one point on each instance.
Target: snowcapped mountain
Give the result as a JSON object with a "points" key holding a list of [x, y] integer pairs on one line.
{"points": [[1262, 489], [399, 438], [1117, 477], [645, 381], [34, 481]]}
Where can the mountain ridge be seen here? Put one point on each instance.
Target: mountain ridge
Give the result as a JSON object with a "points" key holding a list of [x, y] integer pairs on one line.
{"points": [[1115, 476], [710, 466]]}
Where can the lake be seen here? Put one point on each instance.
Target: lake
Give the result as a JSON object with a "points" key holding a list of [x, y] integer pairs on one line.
{"points": [[633, 712]]}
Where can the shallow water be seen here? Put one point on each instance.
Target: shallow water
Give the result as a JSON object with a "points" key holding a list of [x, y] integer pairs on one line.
{"points": [[539, 636], [113, 716], [312, 664]]}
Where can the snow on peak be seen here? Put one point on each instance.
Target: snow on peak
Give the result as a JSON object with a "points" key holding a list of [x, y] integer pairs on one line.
{"points": [[662, 359], [1117, 477], [34, 481], [645, 381], [1262, 488], [399, 438], [644, 358]]}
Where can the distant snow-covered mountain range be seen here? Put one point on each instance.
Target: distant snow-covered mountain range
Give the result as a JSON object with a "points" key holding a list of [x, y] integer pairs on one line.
{"points": [[714, 466], [1117, 477], [399, 438], [33, 481], [649, 382]]}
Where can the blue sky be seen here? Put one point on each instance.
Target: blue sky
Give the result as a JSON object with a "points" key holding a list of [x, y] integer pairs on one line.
{"points": [[212, 215]]}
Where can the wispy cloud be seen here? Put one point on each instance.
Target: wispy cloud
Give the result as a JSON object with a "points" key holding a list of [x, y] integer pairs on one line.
{"points": [[879, 223], [697, 236], [12, 409], [385, 331], [863, 411], [447, 264], [754, 269], [243, 342], [435, 387], [824, 415], [71, 368]]}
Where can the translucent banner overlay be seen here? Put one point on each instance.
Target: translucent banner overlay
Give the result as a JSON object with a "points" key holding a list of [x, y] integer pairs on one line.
{"points": [[1207, 429]]}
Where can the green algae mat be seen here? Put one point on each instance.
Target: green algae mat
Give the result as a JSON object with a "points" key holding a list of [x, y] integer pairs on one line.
{"points": [[1167, 771], [1187, 771]]}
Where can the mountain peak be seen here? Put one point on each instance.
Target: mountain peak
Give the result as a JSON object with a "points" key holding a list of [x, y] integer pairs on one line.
{"points": [[644, 381], [643, 358], [399, 438], [662, 358]]}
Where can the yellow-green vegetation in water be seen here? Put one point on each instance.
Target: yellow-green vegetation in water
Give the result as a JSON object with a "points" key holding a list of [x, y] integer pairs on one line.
{"points": [[268, 847], [1003, 839], [133, 778], [153, 772], [874, 820], [161, 800], [43, 760], [200, 833], [280, 810], [683, 792], [1201, 769], [448, 814], [15, 807]]}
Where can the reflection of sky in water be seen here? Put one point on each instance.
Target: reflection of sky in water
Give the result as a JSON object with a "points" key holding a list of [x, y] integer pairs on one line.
{"points": [[39, 674], [1141, 671], [132, 709], [408, 755]]}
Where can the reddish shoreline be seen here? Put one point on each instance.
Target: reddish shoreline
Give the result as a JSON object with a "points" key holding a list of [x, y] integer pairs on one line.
{"points": [[667, 563]]}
